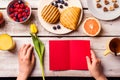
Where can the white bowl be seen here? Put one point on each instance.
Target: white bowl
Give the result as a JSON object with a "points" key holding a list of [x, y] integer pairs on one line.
{"points": [[12, 2]]}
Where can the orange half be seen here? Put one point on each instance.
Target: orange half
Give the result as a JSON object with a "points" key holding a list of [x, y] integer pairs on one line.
{"points": [[91, 26]]}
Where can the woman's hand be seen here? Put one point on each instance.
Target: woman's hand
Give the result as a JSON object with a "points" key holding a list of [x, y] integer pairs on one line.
{"points": [[95, 67], [26, 61]]}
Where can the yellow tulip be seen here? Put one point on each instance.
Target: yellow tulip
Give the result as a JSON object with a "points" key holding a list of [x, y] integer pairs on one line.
{"points": [[33, 29]]}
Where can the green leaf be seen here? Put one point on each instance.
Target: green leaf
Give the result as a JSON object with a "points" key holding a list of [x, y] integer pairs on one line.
{"points": [[39, 47], [36, 44]]}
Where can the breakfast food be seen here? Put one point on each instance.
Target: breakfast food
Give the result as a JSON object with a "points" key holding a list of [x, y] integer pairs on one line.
{"points": [[115, 45], [50, 14], [105, 9], [60, 3], [69, 17], [1, 18], [98, 5], [115, 5], [111, 8], [109, 5], [18, 10], [91, 26], [6, 42], [57, 27], [114, 1], [106, 2]]}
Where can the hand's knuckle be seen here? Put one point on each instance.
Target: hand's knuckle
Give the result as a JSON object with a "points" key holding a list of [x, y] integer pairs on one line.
{"points": [[26, 58], [22, 59]]}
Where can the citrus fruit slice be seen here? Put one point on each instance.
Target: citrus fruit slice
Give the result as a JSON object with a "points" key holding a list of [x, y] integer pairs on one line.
{"points": [[6, 42], [91, 26]]}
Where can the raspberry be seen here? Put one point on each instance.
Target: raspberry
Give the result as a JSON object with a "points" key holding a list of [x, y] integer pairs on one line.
{"points": [[20, 19], [16, 13], [28, 13], [19, 15], [17, 6], [22, 6], [27, 8], [12, 15], [25, 17], [20, 10], [11, 9], [14, 18], [15, 9], [24, 14]]}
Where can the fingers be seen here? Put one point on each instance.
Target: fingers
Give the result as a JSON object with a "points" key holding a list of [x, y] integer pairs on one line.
{"points": [[29, 52], [33, 58], [21, 49], [93, 56], [24, 51], [88, 61]]}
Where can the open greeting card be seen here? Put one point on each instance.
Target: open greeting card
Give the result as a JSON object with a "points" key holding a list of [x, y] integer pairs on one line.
{"points": [[69, 54]]}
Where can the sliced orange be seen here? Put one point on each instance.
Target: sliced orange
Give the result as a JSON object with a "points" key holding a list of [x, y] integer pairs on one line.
{"points": [[91, 26]]}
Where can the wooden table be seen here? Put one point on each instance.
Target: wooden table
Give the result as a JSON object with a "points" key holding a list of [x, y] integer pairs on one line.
{"points": [[20, 33]]}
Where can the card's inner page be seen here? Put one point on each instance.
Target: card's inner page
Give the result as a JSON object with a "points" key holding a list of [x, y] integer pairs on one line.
{"points": [[59, 55], [79, 49]]}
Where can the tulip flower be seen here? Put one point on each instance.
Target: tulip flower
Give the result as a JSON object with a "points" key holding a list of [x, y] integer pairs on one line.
{"points": [[33, 29], [39, 46]]}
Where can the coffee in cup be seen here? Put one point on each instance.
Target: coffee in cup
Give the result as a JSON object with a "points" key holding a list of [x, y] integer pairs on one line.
{"points": [[113, 46]]}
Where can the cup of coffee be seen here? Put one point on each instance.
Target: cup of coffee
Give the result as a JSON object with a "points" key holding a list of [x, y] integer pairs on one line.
{"points": [[113, 47]]}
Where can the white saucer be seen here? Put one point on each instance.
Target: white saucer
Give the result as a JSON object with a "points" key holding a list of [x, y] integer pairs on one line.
{"points": [[49, 27], [100, 14]]}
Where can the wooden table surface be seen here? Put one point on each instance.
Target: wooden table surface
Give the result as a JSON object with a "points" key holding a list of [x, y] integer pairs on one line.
{"points": [[20, 33]]}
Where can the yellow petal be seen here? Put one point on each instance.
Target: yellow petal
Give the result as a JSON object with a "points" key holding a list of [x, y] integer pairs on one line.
{"points": [[33, 29]]}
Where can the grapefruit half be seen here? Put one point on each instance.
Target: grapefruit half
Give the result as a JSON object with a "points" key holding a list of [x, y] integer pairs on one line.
{"points": [[91, 26]]}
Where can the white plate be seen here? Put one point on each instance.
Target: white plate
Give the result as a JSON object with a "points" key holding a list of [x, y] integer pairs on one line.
{"points": [[100, 14], [49, 27]]}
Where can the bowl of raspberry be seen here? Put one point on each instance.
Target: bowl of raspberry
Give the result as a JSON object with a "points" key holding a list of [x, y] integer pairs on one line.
{"points": [[19, 11]]}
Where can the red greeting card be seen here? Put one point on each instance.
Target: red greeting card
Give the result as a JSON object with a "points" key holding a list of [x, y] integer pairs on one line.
{"points": [[68, 54]]}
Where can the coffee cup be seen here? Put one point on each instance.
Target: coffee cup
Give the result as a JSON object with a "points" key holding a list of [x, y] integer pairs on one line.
{"points": [[113, 46]]}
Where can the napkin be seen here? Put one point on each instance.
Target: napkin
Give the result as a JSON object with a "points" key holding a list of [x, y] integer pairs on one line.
{"points": [[68, 54]]}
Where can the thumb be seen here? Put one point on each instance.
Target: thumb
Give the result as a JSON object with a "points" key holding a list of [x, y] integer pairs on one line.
{"points": [[88, 61]]}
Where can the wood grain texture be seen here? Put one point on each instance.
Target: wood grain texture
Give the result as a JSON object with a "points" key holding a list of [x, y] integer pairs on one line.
{"points": [[33, 3], [9, 60], [109, 28]]}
